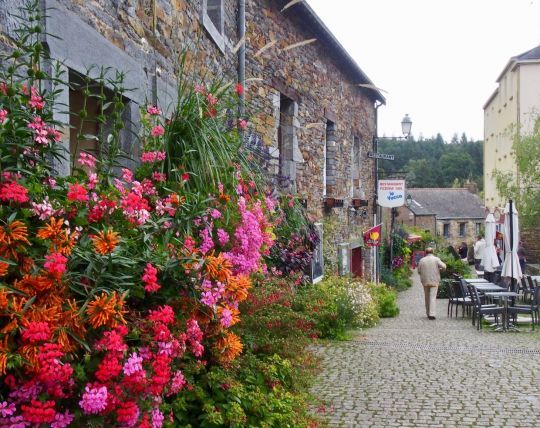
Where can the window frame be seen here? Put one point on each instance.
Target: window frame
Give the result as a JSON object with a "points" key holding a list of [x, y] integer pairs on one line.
{"points": [[462, 229], [216, 34], [446, 230]]}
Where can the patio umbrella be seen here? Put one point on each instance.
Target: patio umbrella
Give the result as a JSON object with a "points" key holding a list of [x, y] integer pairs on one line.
{"points": [[490, 260], [511, 268]]}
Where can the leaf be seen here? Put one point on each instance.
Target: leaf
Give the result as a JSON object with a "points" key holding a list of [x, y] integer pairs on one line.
{"points": [[297, 45], [265, 48], [291, 3]]}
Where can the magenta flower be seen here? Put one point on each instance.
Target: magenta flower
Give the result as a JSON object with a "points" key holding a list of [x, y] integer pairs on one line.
{"points": [[86, 159], [94, 400], [157, 131], [153, 110], [3, 115], [133, 364]]}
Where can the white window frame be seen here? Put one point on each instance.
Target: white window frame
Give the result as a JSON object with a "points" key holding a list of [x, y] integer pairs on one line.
{"points": [[217, 34]]}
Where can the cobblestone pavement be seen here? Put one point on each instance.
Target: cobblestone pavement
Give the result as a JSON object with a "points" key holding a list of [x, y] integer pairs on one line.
{"points": [[413, 372]]}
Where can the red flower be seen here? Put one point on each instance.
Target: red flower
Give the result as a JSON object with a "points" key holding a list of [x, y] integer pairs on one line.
{"points": [[55, 263], [239, 89], [13, 192], [77, 192], [150, 279], [36, 332], [127, 413], [185, 176], [38, 412]]}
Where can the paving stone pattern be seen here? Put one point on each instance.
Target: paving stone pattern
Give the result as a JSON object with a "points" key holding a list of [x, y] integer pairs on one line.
{"points": [[413, 372]]}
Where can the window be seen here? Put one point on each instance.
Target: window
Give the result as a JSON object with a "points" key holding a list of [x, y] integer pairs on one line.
{"points": [[330, 158], [287, 170], [213, 21], [477, 228], [462, 227], [355, 163], [446, 230]]}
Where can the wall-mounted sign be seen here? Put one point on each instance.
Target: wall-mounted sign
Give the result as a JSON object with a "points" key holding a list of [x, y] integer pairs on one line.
{"points": [[380, 156], [391, 193]]}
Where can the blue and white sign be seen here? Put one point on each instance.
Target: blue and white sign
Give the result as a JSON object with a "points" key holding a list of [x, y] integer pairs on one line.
{"points": [[391, 193]]}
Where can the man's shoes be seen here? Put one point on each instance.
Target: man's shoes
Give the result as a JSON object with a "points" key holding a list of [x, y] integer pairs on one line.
{"points": [[431, 318]]}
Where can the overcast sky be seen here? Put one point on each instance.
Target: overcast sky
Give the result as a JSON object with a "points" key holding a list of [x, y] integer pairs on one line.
{"points": [[438, 60]]}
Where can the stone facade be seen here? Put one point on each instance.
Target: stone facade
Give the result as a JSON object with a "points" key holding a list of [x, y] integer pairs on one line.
{"points": [[303, 100]]}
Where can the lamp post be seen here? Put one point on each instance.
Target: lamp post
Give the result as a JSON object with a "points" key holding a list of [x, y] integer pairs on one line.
{"points": [[406, 126]]}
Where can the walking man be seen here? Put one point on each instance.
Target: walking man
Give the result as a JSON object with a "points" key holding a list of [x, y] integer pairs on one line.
{"points": [[429, 269]]}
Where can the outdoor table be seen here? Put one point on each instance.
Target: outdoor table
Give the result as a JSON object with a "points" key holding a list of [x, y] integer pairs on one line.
{"points": [[475, 280], [489, 287], [504, 296]]}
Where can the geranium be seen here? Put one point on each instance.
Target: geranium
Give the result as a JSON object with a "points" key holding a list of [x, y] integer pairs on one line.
{"points": [[239, 89], [127, 413], [3, 115], [55, 264], [36, 332], [94, 400], [39, 412], [13, 191], [77, 192], [133, 364]]}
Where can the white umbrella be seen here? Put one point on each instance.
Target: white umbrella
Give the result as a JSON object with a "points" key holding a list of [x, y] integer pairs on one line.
{"points": [[490, 260], [511, 268]]}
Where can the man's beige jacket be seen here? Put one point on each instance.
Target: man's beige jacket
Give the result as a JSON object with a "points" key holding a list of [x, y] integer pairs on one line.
{"points": [[429, 270]]}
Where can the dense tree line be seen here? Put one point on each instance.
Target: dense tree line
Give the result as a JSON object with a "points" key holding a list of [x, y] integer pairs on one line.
{"points": [[433, 162]]}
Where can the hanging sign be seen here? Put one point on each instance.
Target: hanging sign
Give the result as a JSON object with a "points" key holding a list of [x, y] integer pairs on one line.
{"points": [[391, 193], [372, 237]]}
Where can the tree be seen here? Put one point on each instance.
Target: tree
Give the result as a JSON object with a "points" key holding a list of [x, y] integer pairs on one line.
{"points": [[526, 191], [455, 165]]}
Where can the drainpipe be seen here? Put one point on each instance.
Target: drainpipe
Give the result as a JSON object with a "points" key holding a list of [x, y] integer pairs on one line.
{"points": [[376, 209], [242, 54]]}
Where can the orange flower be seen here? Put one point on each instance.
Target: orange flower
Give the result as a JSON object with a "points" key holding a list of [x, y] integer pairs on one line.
{"points": [[105, 242], [235, 318], [52, 229], [3, 356], [13, 233], [106, 310], [218, 268], [34, 284], [64, 243], [238, 287], [3, 269], [3, 299], [229, 347], [176, 200]]}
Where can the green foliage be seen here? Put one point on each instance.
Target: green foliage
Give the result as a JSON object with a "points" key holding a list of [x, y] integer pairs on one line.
{"points": [[386, 300], [453, 265], [526, 194], [256, 391]]}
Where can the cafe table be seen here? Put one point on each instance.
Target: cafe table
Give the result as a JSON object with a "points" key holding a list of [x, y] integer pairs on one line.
{"points": [[489, 287], [504, 296], [475, 280]]}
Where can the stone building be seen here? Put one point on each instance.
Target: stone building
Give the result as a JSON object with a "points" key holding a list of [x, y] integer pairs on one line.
{"points": [[310, 107], [457, 215]]}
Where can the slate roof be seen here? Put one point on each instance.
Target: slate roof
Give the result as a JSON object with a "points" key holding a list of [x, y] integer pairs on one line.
{"points": [[534, 53], [446, 203]]}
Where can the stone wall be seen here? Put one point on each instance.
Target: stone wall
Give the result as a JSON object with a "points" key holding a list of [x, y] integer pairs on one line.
{"points": [[531, 242], [454, 238], [293, 96]]}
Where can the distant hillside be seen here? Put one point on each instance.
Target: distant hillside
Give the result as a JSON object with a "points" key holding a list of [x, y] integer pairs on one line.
{"points": [[434, 163]]}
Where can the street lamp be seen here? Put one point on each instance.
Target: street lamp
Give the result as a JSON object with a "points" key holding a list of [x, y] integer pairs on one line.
{"points": [[406, 125], [408, 200]]}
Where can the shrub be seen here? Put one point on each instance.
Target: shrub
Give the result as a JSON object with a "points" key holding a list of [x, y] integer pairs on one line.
{"points": [[386, 300]]}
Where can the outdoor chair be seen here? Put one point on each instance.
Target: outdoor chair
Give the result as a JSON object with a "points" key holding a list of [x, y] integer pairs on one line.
{"points": [[467, 300], [479, 310], [528, 291], [533, 309], [457, 298]]}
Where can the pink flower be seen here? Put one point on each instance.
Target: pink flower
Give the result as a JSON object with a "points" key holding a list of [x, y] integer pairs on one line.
{"points": [[215, 213], [223, 237], [157, 418], [212, 100], [164, 314], [226, 318], [35, 100], [127, 175], [3, 115], [13, 191], [133, 364], [50, 181], [94, 400], [77, 192], [86, 159], [92, 180], [150, 279], [207, 243], [159, 176], [40, 130], [200, 89], [7, 409], [62, 420], [177, 383], [55, 264], [157, 131], [242, 123], [54, 133], [36, 332], [149, 157], [153, 110]]}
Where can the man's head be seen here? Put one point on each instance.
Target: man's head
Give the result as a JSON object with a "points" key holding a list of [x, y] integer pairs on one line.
{"points": [[479, 237], [429, 250]]}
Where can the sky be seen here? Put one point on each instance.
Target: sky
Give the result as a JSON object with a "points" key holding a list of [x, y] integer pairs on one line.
{"points": [[437, 60]]}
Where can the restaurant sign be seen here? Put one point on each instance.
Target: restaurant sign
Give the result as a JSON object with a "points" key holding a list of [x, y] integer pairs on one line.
{"points": [[391, 193]]}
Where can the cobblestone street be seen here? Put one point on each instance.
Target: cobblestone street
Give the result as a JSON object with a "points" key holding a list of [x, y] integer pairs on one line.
{"points": [[413, 372]]}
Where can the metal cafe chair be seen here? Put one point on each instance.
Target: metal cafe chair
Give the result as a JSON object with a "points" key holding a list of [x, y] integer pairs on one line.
{"points": [[479, 310], [533, 309]]}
